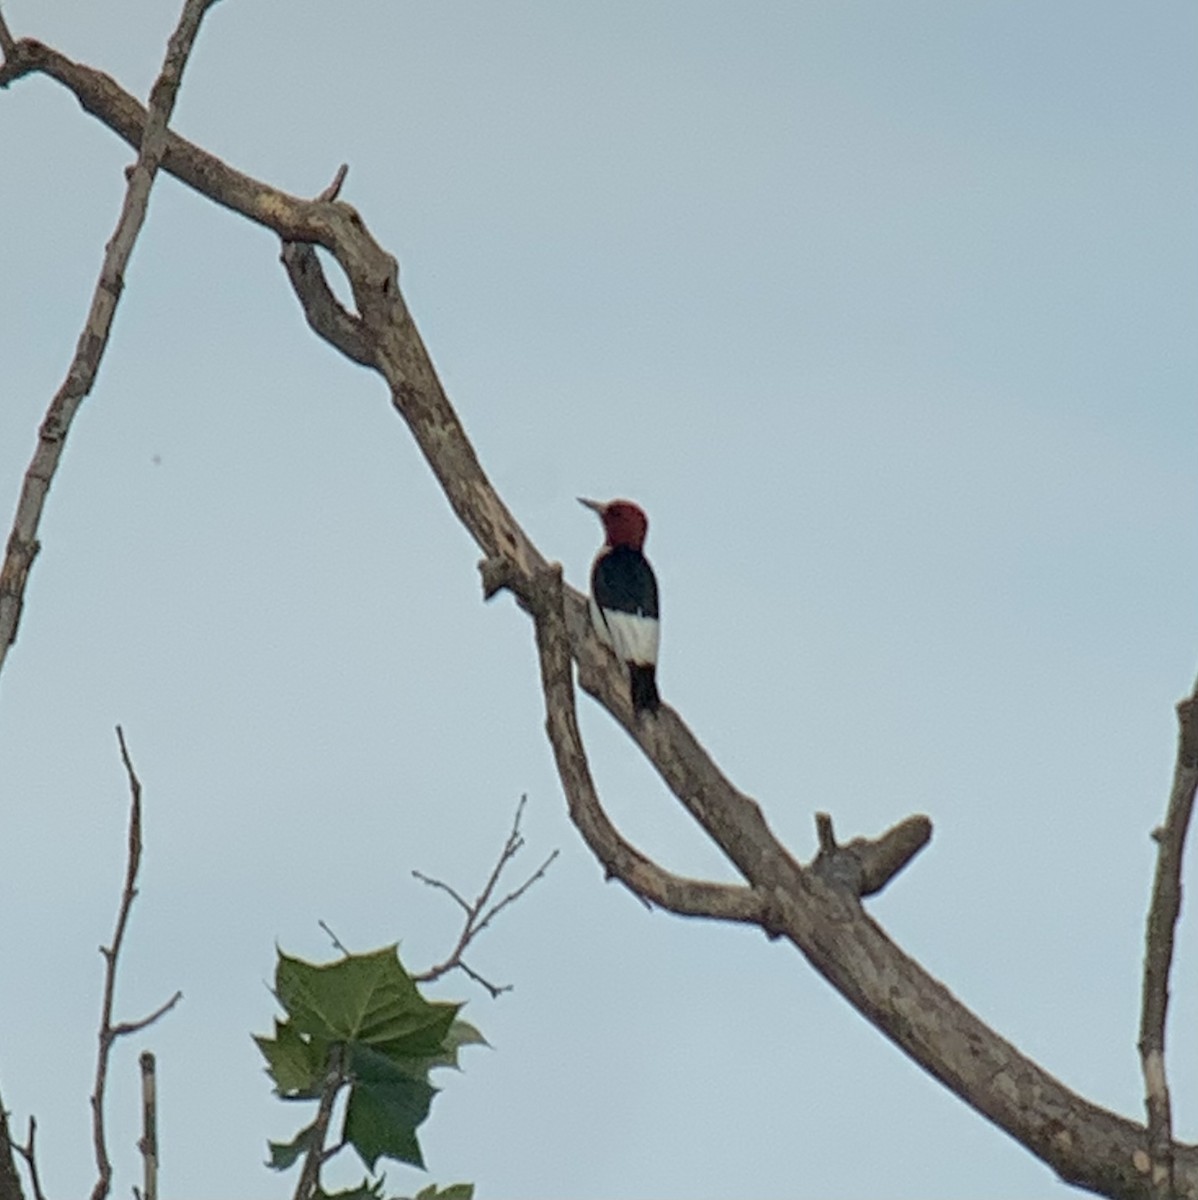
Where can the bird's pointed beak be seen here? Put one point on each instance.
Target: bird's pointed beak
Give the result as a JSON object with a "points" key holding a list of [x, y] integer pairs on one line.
{"points": [[594, 505]]}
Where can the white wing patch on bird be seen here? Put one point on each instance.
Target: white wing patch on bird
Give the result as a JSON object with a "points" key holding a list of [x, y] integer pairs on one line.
{"points": [[633, 637]]}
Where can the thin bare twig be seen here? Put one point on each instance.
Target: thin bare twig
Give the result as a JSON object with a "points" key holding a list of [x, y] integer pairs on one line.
{"points": [[441, 885], [111, 953], [482, 912], [123, 1028], [149, 1126], [338, 944], [29, 1153], [514, 895], [23, 543], [1158, 952], [109, 1032], [495, 990]]}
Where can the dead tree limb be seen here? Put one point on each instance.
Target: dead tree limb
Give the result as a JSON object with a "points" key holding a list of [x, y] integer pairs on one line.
{"points": [[640, 874]]}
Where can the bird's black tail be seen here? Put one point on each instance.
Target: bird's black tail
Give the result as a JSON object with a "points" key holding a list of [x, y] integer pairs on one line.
{"points": [[644, 688]]}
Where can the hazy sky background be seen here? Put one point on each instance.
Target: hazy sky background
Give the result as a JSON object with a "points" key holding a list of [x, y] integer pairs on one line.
{"points": [[886, 314]]}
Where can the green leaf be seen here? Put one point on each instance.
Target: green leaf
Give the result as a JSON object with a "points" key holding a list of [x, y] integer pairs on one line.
{"points": [[295, 1063], [365, 997], [455, 1191], [462, 1033], [386, 1105], [389, 1037], [425, 1041], [459, 1034], [284, 1154]]}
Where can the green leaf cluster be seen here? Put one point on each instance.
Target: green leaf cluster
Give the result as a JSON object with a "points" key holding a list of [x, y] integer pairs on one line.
{"points": [[361, 1024]]}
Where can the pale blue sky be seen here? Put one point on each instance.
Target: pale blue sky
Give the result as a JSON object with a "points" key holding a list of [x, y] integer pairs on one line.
{"points": [[884, 312]]}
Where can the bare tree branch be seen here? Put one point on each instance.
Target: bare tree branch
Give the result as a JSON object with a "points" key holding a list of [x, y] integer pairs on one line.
{"points": [[23, 544], [482, 911], [442, 886], [395, 348], [687, 897], [124, 1028], [1158, 953], [109, 1032], [149, 1126], [866, 865], [325, 313], [494, 989], [515, 894], [29, 1153], [823, 918]]}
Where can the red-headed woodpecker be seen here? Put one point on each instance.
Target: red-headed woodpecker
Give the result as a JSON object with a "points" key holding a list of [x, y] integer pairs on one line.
{"points": [[624, 597]]}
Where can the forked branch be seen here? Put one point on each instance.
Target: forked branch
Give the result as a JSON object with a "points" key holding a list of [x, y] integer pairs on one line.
{"points": [[28, 1152], [480, 912], [620, 860], [110, 1032]]}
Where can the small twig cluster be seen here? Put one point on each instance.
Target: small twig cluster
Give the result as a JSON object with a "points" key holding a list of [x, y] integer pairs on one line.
{"points": [[482, 911], [110, 1032]]}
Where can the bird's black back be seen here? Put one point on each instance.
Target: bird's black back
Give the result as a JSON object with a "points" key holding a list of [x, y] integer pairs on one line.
{"points": [[623, 580]]}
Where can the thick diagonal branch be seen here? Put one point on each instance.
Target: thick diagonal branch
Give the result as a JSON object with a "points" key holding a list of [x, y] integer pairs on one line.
{"points": [[687, 897]]}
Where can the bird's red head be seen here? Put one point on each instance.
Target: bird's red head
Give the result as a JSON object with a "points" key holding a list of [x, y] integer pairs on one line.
{"points": [[624, 523]]}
